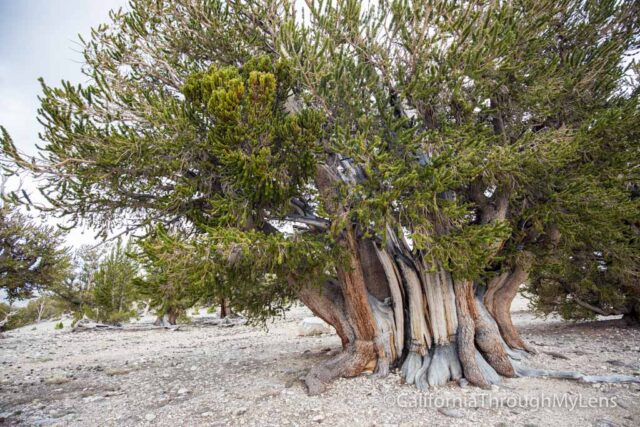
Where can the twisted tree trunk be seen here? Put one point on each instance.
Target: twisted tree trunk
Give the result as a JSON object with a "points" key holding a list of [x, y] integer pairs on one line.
{"points": [[393, 310], [401, 313]]}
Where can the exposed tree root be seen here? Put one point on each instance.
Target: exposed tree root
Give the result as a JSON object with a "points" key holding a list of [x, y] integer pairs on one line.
{"points": [[489, 374], [466, 337], [444, 366], [412, 365], [357, 358]]}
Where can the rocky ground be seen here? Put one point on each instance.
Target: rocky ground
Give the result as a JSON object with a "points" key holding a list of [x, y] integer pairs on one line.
{"points": [[202, 374]]}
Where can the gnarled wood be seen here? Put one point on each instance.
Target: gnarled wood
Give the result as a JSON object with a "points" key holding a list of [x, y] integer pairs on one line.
{"points": [[466, 336], [351, 362], [488, 339], [395, 288], [327, 303], [502, 300], [440, 300], [420, 334], [375, 276], [386, 340], [492, 287]]}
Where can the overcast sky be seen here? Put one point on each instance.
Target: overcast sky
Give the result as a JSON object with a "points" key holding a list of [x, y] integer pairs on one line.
{"points": [[39, 38]]}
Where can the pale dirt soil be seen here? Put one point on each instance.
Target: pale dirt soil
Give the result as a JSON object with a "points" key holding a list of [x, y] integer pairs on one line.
{"points": [[242, 375]]}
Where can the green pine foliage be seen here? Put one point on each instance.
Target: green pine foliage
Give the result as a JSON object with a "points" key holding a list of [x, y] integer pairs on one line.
{"points": [[595, 267], [32, 256], [77, 289], [113, 286], [257, 273]]}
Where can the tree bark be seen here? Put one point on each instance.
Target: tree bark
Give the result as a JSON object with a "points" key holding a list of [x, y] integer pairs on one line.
{"points": [[224, 309]]}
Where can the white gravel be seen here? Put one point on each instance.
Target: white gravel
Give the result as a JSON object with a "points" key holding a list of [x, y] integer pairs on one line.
{"points": [[242, 375]]}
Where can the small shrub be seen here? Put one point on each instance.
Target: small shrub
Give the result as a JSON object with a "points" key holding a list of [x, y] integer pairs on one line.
{"points": [[59, 325]]}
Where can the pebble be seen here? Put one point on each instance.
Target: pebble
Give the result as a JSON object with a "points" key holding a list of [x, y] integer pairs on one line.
{"points": [[150, 417]]}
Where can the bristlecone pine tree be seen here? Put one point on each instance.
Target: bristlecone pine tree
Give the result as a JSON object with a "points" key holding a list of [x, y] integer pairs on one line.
{"points": [[398, 166], [113, 288], [32, 257], [175, 278]]}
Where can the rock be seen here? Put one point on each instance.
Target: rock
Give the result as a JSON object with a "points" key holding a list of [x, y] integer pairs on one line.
{"points": [[183, 391], [318, 418], [624, 404], [116, 371], [311, 326], [619, 364], [603, 422], [227, 323], [206, 414], [150, 417], [463, 383], [44, 421], [57, 379], [240, 411], [453, 413]]}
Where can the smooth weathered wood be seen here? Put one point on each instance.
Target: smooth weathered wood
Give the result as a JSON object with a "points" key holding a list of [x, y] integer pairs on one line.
{"points": [[393, 278]]}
